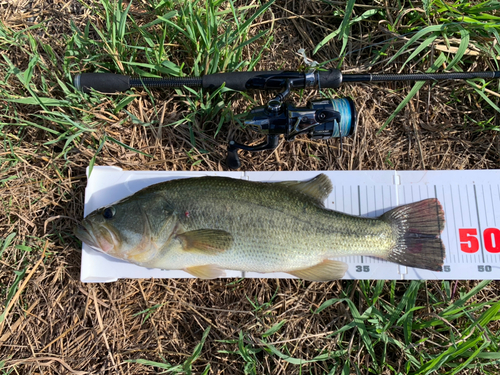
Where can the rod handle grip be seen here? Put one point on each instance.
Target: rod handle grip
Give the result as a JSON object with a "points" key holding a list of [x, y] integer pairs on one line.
{"points": [[108, 83]]}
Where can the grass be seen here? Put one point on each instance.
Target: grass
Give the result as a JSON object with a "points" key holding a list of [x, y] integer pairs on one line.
{"points": [[51, 323]]}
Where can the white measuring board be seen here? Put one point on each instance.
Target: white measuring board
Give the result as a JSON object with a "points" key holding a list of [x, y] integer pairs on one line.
{"points": [[470, 199]]}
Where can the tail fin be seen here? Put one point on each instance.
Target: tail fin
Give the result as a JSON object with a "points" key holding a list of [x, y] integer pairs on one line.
{"points": [[418, 226]]}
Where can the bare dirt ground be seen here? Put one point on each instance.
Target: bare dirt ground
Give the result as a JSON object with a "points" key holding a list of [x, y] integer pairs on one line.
{"points": [[57, 325]]}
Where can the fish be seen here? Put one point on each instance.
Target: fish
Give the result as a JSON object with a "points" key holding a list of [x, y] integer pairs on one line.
{"points": [[205, 225]]}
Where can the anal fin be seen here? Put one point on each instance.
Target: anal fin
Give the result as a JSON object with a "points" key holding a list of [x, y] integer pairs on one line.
{"points": [[207, 271], [324, 271]]}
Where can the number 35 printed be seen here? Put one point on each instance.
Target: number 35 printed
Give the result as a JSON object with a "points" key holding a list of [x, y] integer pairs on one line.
{"points": [[469, 240]]}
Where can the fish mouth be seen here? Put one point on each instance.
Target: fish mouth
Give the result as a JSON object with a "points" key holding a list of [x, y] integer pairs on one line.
{"points": [[84, 234]]}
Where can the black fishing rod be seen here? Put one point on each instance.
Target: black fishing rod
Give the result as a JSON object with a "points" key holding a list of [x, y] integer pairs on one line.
{"points": [[320, 119]]}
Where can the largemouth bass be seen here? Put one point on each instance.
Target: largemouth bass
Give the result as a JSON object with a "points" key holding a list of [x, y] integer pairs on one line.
{"points": [[205, 225]]}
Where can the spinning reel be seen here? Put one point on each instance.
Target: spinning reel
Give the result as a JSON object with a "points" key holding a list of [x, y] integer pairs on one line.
{"points": [[321, 119]]}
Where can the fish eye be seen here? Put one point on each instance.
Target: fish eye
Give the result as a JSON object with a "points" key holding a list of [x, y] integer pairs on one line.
{"points": [[109, 212]]}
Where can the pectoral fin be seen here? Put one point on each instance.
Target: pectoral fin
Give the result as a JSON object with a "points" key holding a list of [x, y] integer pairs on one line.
{"points": [[209, 271], [206, 241], [324, 271]]}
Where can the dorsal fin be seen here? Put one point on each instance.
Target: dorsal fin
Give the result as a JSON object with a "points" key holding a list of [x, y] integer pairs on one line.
{"points": [[317, 188]]}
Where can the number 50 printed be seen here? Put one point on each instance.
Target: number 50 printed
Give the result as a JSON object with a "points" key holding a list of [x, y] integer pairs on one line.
{"points": [[469, 240]]}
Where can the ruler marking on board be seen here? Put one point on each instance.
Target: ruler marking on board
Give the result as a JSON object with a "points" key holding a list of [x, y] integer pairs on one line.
{"points": [[484, 204], [335, 205], [479, 224], [359, 199], [492, 204], [390, 196], [359, 208], [402, 270], [470, 213], [367, 203], [445, 210], [468, 204], [462, 218], [351, 200], [498, 188], [488, 256], [440, 234], [493, 257], [397, 182], [383, 204], [494, 216], [461, 210], [344, 208], [459, 260]]}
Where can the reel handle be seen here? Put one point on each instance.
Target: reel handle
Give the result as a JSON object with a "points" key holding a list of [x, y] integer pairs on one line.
{"points": [[233, 160]]}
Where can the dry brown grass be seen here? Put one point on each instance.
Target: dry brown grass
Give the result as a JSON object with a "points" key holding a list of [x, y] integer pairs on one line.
{"points": [[57, 325]]}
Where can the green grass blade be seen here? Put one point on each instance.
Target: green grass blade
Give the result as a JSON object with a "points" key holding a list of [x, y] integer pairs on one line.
{"points": [[485, 97], [196, 353], [253, 39], [160, 19], [49, 102], [294, 361], [426, 43], [326, 304], [127, 146], [464, 44], [275, 328], [365, 15], [6, 243], [485, 318], [26, 123], [163, 366], [418, 35], [344, 26], [257, 13], [12, 290], [92, 161], [460, 302], [450, 353], [325, 40], [470, 357], [122, 21]]}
